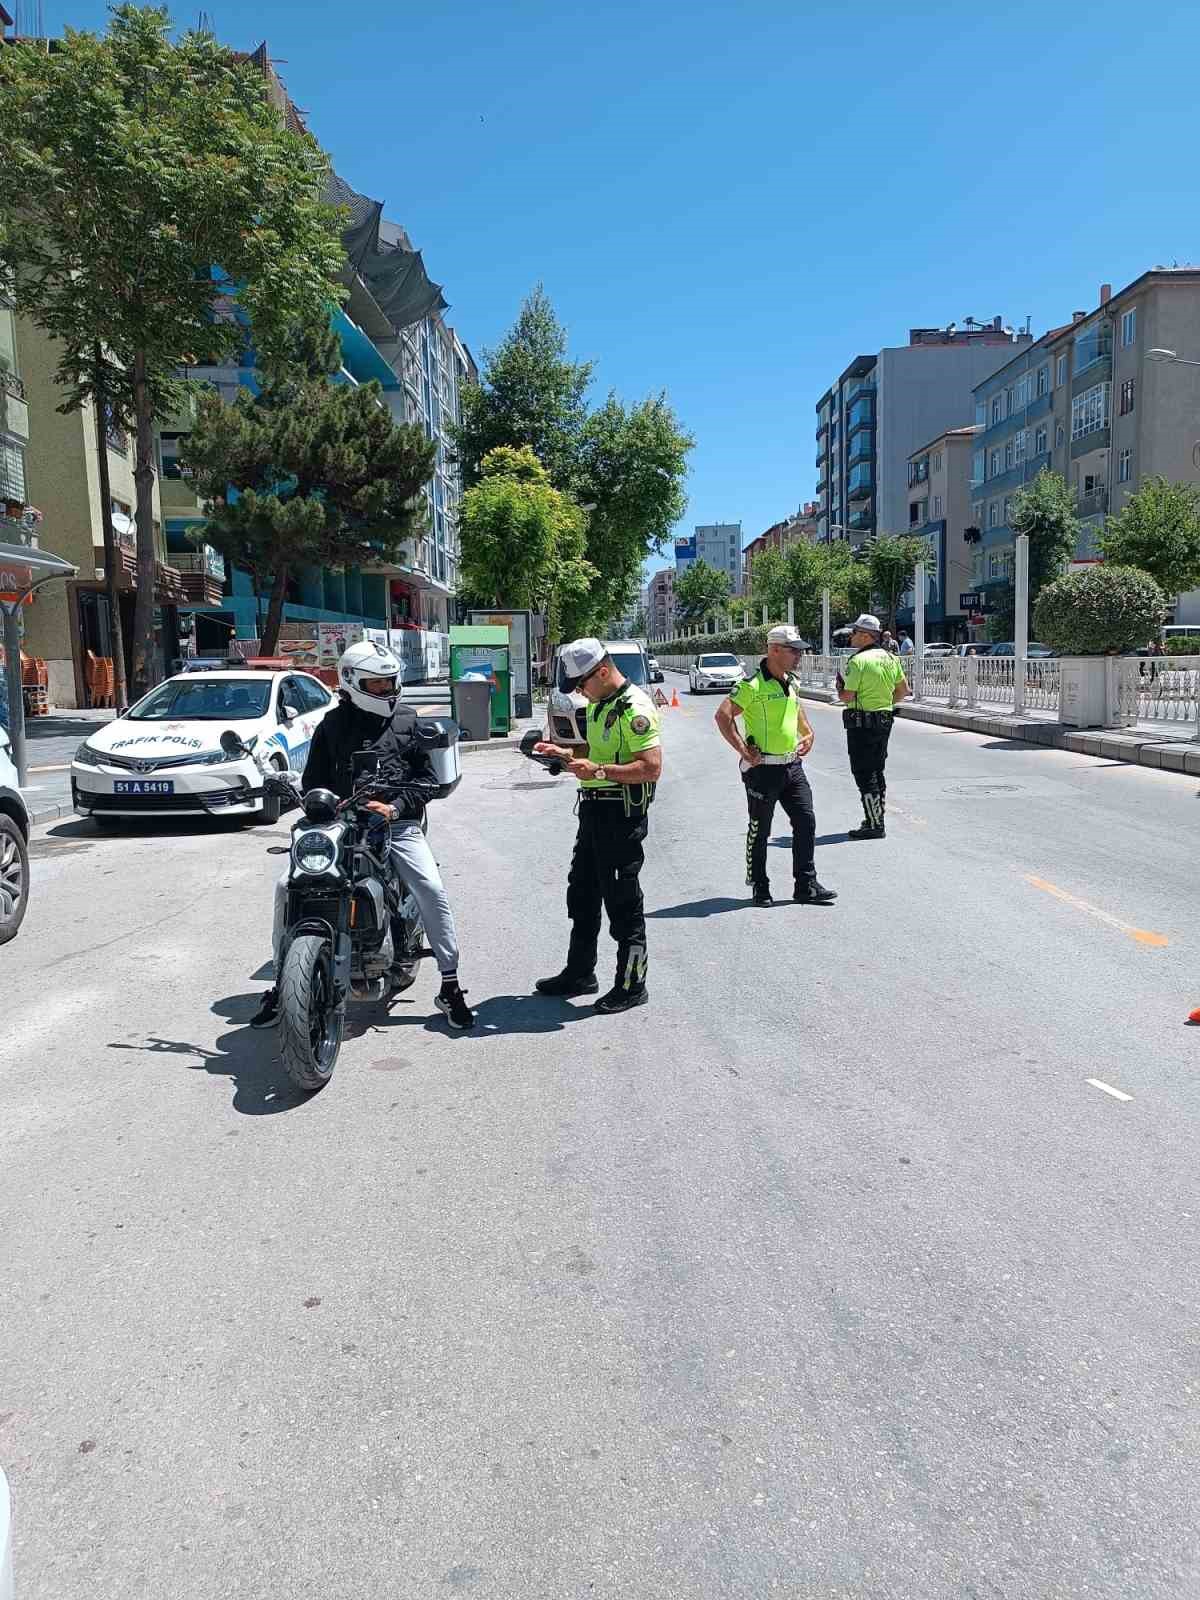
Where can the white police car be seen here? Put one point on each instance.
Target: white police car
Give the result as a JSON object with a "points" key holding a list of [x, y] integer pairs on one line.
{"points": [[164, 756]]}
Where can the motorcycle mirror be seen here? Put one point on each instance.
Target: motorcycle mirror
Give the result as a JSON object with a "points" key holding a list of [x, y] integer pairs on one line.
{"points": [[231, 744]]}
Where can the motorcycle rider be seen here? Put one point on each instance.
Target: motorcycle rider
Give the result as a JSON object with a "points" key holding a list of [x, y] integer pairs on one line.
{"points": [[370, 715]]}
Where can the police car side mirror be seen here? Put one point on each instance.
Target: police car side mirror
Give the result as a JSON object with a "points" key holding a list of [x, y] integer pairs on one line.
{"points": [[231, 744]]}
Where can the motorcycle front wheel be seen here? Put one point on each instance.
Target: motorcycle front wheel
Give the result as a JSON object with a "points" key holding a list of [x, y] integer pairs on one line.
{"points": [[310, 1023]]}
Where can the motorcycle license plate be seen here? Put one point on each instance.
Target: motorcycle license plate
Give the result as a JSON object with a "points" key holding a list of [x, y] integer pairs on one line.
{"points": [[143, 786]]}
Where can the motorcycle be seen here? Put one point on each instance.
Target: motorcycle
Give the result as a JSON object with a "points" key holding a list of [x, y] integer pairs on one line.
{"points": [[352, 928]]}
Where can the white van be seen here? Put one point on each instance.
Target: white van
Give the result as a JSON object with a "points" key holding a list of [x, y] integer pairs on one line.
{"points": [[1182, 634], [567, 712]]}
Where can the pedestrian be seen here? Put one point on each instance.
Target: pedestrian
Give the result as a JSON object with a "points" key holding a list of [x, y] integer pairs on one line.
{"points": [[906, 646], [617, 779], [873, 684], [774, 737], [888, 643]]}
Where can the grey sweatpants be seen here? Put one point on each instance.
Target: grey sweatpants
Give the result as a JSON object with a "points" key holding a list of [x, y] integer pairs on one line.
{"points": [[415, 863]]}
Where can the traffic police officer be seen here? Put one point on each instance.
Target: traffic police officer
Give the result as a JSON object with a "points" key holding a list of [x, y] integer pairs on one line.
{"points": [[873, 684], [777, 736], [616, 787]]}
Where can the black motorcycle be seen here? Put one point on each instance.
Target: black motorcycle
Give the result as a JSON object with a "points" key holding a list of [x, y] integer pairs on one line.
{"points": [[352, 929]]}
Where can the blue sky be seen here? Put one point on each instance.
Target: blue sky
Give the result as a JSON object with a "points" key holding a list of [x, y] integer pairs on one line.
{"points": [[729, 203]]}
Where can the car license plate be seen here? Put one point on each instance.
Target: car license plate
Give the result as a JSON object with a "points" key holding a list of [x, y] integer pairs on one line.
{"points": [[143, 786]]}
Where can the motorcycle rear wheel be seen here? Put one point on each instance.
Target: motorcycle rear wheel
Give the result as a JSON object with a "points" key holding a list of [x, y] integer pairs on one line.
{"points": [[310, 1024]]}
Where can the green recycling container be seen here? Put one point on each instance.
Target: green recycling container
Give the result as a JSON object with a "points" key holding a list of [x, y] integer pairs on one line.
{"points": [[476, 649]]}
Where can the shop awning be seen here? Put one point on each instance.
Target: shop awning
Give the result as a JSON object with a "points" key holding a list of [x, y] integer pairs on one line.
{"points": [[24, 568]]}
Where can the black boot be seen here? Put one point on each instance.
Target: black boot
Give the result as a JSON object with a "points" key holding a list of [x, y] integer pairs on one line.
{"points": [[762, 895], [566, 984], [812, 893], [618, 999], [872, 827]]}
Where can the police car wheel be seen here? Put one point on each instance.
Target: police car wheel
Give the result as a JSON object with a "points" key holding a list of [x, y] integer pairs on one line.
{"points": [[272, 804]]}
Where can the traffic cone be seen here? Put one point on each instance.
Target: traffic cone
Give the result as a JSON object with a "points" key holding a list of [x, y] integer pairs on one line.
{"points": [[675, 706], [1194, 1016]]}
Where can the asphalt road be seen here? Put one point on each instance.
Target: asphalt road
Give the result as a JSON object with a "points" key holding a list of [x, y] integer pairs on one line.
{"points": [[828, 1274]]}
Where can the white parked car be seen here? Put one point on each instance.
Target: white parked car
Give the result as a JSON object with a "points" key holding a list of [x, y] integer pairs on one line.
{"points": [[718, 670], [567, 711], [163, 757], [14, 841], [938, 647]]}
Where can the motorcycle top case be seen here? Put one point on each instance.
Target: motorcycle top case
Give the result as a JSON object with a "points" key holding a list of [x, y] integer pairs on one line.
{"points": [[439, 738]]}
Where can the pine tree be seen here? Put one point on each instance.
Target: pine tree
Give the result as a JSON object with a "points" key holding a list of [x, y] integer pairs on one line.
{"points": [[306, 472]]}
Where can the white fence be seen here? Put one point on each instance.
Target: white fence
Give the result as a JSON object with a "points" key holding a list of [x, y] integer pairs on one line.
{"points": [[1146, 689]]}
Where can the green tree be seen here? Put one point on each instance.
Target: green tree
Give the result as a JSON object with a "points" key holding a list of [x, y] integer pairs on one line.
{"points": [[890, 562], [306, 472], [1100, 610], [529, 393], [145, 181], [624, 464], [1045, 511], [1159, 531], [629, 469], [699, 591], [521, 540]]}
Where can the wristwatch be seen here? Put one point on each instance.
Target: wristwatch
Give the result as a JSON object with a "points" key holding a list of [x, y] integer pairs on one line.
{"points": [[601, 774]]}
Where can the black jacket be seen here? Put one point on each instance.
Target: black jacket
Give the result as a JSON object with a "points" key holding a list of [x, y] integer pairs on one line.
{"points": [[405, 776]]}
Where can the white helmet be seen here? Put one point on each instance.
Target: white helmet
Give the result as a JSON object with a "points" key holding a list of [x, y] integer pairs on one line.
{"points": [[369, 660]]}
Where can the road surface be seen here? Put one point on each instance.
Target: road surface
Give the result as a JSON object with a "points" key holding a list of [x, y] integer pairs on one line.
{"points": [[861, 1263]]}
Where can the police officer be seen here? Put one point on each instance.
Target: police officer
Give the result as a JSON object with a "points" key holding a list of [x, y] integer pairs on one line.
{"points": [[616, 787], [774, 739], [872, 685]]}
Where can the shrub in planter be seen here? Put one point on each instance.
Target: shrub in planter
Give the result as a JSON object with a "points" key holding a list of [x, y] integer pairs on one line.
{"points": [[1099, 611]]}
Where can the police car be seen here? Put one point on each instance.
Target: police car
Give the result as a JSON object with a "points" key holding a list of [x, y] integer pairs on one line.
{"points": [[163, 757]]}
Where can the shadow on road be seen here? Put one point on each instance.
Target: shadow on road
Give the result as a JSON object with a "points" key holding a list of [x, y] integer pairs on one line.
{"points": [[154, 827], [712, 907], [498, 1015], [822, 838], [261, 1088], [39, 729]]}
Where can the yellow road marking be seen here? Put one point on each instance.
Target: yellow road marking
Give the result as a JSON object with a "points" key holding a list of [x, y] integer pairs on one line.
{"points": [[1139, 935]]}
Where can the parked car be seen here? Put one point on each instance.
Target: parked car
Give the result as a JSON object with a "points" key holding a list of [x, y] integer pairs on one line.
{"points": [[718, 670], [567, 710], [978, 648], [1034, 650], [656, 672], [937, 647], [163, 757], [14, 848]]}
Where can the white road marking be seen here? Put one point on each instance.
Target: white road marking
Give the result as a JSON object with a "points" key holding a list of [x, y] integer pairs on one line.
{"points": [[1140, 935], [1117, 1094]]}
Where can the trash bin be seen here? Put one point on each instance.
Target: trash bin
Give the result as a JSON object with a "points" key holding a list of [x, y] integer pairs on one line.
{"points": [[471, 703], [482, 652]]}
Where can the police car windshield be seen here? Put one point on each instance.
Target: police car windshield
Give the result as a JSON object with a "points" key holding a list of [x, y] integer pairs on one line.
{"points": [[204, 700], [718, 661], [630, 664]]}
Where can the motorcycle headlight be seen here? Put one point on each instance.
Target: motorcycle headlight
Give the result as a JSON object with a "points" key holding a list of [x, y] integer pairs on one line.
{"points": [[219, 756], [314, 852], [86, 756]]}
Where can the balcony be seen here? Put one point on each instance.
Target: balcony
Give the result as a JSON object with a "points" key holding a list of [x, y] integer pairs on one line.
{"points": [[822, 427], [861, 484], [860, 386], [203, 574], [863, 416], [860, 519], [862, 448], [1093, 503], [918, 472]]}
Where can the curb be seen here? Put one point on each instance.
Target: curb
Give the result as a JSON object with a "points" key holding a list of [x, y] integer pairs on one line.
{"points": [[50, 813], [1110, 744]]}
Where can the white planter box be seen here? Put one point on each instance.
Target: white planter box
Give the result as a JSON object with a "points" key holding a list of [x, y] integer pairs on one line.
{"points": [[1089, 694]]}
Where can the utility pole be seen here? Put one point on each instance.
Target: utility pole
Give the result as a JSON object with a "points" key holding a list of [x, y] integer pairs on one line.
{"points": [[1021, 628]]}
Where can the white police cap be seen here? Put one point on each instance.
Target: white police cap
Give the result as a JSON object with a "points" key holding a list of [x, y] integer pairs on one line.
{"points": [[867, 623], [786, 634], [579, 658]]}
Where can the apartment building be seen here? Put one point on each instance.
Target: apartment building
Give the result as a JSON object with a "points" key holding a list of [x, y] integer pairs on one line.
{"points": [[717, 543], [881, 409], [660, 604], [1091, 401], [940, 511], [14, 422]]}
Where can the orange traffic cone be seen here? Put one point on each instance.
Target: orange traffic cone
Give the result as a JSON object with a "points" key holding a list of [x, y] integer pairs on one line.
{"points": [[675, 706], [1194, 1016]]}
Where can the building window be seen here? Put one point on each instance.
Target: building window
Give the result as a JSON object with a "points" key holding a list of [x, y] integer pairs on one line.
{"points": [[1125, 459], [993, 514], [1020, 441], [937, 506], [1127, 397], [997, 409], [1039, 441], [1008, 456], [1043, 380], [935, 464], [977, 513], [12, 472], [1007, 509], [1059, 435], [1062, 371], [1128, 328], [977, 467], [1089, 411], [994, 465]]}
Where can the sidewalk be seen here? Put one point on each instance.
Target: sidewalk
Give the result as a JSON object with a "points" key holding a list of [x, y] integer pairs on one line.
{"points": [[1148, 744]]}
